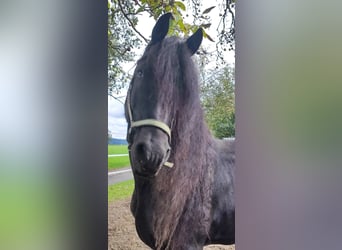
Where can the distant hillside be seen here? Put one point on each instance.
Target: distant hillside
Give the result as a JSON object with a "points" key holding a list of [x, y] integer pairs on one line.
{"points": [[114, 141]]}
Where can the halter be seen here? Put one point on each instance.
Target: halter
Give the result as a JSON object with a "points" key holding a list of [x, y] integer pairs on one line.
{"points": [[147, 122]]}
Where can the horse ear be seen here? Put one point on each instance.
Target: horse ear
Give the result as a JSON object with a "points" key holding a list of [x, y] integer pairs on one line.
{"points": [[161, 28], [194, 41]]}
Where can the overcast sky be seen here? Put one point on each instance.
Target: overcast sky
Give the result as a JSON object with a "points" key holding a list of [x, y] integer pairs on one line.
{"points": [[116, 119]]}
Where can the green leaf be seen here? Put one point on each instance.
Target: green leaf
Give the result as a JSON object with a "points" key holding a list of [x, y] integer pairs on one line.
{"points": [[180, 5], [206, 11], [157, 13], [153, 4], [141, 8], [205, 35], [181, 26], [168, 8], [210, 39]]}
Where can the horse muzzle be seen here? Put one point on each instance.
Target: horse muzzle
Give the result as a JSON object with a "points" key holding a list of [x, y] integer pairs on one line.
{"points": [[149, 151]]}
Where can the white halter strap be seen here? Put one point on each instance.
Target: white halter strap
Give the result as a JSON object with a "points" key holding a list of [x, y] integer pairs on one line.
{"points": [[147, 122]]}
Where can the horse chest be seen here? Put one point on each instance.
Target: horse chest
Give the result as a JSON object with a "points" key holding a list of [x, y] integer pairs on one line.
{"points": [[145, 215], [142, 212]]}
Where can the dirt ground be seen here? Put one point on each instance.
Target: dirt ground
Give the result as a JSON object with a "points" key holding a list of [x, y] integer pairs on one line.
{"points": [[121, 230]]}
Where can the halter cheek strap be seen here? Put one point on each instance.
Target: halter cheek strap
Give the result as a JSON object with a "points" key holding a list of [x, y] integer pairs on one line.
{"points": [[147, 122]]}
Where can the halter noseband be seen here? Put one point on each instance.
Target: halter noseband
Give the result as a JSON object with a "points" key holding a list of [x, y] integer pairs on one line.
{"points": [[147, 122]]}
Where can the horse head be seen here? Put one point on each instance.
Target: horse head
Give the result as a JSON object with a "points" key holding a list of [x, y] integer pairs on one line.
{"points": [[154, 98]]}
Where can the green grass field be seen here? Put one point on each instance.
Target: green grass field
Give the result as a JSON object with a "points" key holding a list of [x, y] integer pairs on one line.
{"points": [[120, 190], [117, 149], [123, 189], [120, 161]]}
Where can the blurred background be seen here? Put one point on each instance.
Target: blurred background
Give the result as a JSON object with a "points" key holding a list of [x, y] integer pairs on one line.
{"points": [[54, 132]]}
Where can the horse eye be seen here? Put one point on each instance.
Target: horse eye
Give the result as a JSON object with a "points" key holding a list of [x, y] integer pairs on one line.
{"points": [[140, 73]]}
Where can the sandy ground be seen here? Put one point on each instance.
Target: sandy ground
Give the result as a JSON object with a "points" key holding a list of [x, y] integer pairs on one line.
{"points": [[121, 230]]}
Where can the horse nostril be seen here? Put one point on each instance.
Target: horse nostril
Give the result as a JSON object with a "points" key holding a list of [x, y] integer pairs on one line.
{"points": [[140, 148], [142, 152]]}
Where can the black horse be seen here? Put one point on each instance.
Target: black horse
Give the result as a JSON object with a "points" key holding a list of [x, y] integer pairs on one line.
{"points": [[184, 178]]}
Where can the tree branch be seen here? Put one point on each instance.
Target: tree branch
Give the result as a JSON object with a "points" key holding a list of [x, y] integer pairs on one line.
{"points": [[130, 22], [116, 98], [228, 2]]}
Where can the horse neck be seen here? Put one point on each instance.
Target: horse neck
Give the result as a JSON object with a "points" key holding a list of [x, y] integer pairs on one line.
{"points": [[192, 148], [192, 133], [189, 179]]}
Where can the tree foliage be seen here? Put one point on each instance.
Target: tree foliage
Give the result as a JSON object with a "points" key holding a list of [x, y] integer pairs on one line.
{"points": [[123, 35], [218, 100], [121, 41]]}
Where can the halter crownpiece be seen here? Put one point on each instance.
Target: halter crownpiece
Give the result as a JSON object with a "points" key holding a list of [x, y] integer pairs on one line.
{"points": [[147, 122]]}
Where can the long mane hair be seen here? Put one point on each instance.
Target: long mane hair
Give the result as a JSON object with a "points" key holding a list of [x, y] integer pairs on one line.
{"points": [[192, 146]]}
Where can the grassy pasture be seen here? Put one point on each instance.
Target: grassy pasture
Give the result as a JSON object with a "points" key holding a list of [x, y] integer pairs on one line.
{"points": [[123, 189], [120, 161], [117, 149], [120, 190]]}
